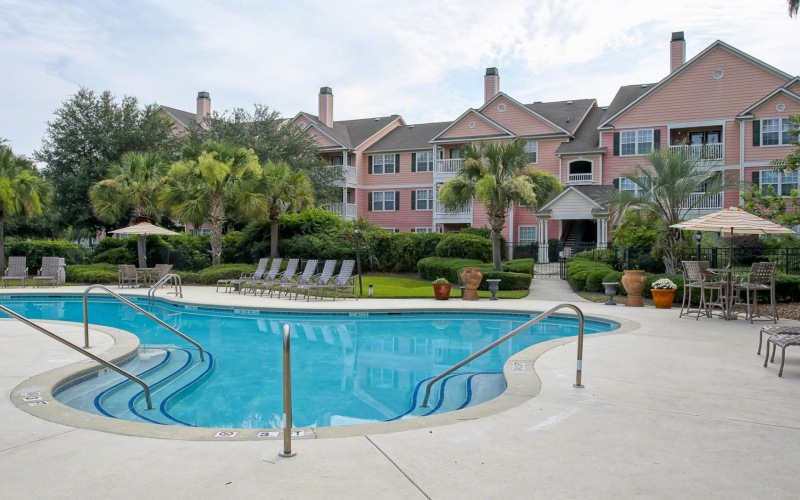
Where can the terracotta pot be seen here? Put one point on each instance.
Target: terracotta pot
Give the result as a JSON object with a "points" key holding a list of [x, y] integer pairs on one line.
{"points": [[663, 299], [633, 280], [471, 278], [442, 292]]}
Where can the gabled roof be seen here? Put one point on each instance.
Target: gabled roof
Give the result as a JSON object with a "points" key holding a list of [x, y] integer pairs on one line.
{"points": [[184, 118], [527, 108], [792, 82], [351, 133], [688, 65], [587, 138], [625, 96], [502, 132], [408, 138], [566, 115], [595, 195], [780, 90]]}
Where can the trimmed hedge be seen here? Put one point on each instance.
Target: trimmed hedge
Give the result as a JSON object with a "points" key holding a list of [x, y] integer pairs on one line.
{"points": [[92, 273], [209, 276], [519, 266], [431, 268], [465, 246], [580, 270]]}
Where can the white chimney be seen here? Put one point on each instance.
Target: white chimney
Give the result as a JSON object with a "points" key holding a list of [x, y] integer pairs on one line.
{"points": [[491, 84], [203, 107], [677, 51], [326, 106]]}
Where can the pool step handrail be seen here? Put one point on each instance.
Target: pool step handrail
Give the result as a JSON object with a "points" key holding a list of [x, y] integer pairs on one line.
{"points": [[86, 353], [169, 279], [128, 302], [508, 336]]}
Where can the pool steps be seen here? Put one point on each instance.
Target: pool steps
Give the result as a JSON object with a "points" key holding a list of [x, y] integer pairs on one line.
{"points": [[455, 392]]}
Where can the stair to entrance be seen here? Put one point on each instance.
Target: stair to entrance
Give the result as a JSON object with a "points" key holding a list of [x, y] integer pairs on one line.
{"points": [[572, 236]]}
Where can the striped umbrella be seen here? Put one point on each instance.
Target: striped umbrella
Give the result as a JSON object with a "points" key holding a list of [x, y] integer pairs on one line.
{"points": [[733, 220]]}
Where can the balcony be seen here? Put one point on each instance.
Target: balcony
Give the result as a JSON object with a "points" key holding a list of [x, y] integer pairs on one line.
{"points": [[444, 169], [701, 152], [574, 179], [713, 203], [348, 175], [346, 211], [460, 215]]}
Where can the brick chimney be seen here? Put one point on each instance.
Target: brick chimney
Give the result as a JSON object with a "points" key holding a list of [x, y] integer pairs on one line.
{"points": [[203, 107], [326, 106], [677, 51], [491, 84]]}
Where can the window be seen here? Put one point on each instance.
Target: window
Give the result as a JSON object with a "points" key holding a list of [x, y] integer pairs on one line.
{"points": [[336, 160], [532, 151], [775, 132], [780, 182], [423, 230], [424, 161], [422, 199], [383, 201], [205, 231], [635, 142], [624, 184], [527, 235], [383, 164], [391, 229]]}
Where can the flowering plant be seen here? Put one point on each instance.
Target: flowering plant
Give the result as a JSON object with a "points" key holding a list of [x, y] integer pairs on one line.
{"points": [[664, 284], [440, 281]]}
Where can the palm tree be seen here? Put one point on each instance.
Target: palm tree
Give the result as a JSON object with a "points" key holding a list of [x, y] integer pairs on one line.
{"points": [[497, 175], [133, 186], [23, 192], [211, 183], [669, 188], [286, 191]]}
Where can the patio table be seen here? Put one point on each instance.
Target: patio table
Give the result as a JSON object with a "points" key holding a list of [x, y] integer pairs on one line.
{"points": [[146, 275], [728, 300]]}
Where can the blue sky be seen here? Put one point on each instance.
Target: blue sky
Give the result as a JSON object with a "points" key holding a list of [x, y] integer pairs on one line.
{"points": [[424, 60]]}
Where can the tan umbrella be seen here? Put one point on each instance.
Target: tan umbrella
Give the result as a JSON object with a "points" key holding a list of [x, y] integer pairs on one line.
{"points": [[733, 220], [142, 229]]}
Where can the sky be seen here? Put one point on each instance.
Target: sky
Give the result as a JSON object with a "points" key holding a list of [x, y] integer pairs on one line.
{"points": [[422, 59]]}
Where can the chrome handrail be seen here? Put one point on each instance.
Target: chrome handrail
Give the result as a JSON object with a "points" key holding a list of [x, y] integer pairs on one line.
{"points": [[123, 299], [175, 282], [509, 335], [287, 394], [103, 362]]}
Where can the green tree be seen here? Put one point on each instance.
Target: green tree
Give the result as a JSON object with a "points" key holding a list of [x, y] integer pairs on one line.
{"points": [[88, 133], [23, 192], [783, 210], [131, 189], [211, 183], [668, 189], [792, 161], [497, 175], [286, 192], [274, 140]]}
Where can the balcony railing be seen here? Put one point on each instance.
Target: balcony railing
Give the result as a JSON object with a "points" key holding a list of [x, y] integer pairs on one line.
{"points": [[712, 203], [348, 174], [580, 178], [440, 211], [346, 211], [447, 167], [701, 152]]}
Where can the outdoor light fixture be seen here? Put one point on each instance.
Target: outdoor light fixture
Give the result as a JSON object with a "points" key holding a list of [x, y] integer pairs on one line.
{"points": [[357, 234], [371, 290], [698, 237]]}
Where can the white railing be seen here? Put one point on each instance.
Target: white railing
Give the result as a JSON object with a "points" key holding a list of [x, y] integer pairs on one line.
{"points": [[351, 174], [580, 178], [701, 152], [439, 210], [346, 211], [712, 203], [447, 166]]}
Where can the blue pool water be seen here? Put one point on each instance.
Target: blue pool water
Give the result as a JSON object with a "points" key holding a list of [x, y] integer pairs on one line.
{"points": [[346, 367]]}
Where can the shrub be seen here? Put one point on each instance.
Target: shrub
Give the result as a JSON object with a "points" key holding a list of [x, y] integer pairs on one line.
{"points": [[615, 277], [92, 273], [431, 268], [465, 246], [519, 266], [318, 246], [235, 248], [116, 256], [787, 288], [400, 252], [486, 232], [211, 275], [594, 281], [578, 271], [508, 280], [313, 221]]}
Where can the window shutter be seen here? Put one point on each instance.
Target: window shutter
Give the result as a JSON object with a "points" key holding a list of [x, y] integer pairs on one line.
{"points": [[656, 139], [396, 163], [757, 133], [370, 172], [369, 197], [413, 200], [397, 199], [616, 184], [413, 162], [756, 179], [616, 143]]}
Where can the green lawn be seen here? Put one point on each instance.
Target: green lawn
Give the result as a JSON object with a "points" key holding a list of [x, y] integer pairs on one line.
{"points": [[397, 286]]}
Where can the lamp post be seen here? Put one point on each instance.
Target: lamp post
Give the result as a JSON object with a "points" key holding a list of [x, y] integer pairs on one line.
{"points": [[698, 237], [357, 234]]}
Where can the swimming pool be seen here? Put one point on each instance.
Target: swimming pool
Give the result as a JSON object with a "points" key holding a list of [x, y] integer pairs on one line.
{"points": [[352, 367]]}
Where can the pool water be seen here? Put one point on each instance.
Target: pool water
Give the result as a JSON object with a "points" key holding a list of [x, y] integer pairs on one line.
{"points": [[346, 367]]}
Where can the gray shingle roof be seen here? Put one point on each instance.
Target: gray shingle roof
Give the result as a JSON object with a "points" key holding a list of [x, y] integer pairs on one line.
{"points": [[598, 194], [351, 133], [587, 137], [184, 118], [625, 95], [408, 138], [565, 114]]}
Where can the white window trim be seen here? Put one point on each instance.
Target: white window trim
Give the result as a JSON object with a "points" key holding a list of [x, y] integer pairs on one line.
{"points": [[536, 161], [391, 229], [781, 121], [636, 142], [383, 165], [636, 188], [383, 201], [428, 164], [423, 230], [779, 185], [429, 200], [535, 235]]}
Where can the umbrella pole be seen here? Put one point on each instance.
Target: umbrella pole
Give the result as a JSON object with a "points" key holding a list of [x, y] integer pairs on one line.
{"points": [[142, 248], [730, 251]]}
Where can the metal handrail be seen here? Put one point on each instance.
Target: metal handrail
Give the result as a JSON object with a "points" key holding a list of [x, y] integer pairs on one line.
{"points": [[123, 299], [509, 335], [175, 282], [103, 362], [287, 394]]}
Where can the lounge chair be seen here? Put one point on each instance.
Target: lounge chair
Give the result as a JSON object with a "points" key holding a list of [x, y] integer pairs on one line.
{"points": [[344, 282], [285, 277], [322, 278], [128, 276], [229, 283], [17, 270], [48, 272], [309, 271], [267, 277]]}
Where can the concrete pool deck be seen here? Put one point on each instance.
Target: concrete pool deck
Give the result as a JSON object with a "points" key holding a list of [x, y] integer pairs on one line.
{"points": [[672, 408]]}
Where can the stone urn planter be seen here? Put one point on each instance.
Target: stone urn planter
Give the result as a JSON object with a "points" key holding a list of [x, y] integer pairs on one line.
{"points": [[471, 278], [663, 299], [633, 280], [494, 286]]}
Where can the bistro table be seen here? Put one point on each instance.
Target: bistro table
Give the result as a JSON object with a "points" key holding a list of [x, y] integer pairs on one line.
{"points": [[728, 299], [146, 275]]}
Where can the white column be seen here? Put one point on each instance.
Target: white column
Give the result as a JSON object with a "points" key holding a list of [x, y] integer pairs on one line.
{"points": [[543, 250], [602, 233]]}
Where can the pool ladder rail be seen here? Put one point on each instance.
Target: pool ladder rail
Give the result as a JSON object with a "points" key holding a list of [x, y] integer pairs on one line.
{"points": [[83, 351], [508, 336], [169, 279]]}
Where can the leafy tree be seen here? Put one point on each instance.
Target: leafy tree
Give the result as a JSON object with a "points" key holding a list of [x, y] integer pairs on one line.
{"points": [[211, 183], [497, 175], [88, 133], [276, 141], [131, 189], [791, 162], [23, 191], [664, 190], [783, 210], [285, 192]]}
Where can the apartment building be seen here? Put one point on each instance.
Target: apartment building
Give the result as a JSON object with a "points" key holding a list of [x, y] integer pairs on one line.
{"points": [[723, 107]]}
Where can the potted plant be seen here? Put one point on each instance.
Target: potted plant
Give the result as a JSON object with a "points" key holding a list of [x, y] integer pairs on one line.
{"points": [[441, 288], [663, 291]]}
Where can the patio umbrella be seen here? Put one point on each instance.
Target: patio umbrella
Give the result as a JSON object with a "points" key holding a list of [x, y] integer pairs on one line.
{"points": [[142, 229], [733, 220]]}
